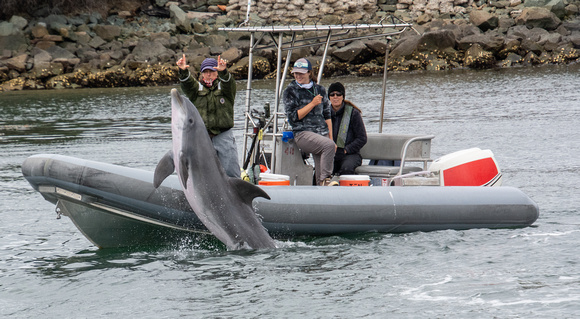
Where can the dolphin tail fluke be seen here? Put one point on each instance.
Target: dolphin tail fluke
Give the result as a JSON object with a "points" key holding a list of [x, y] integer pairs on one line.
{"points": [[247, 191], [164, 168]]}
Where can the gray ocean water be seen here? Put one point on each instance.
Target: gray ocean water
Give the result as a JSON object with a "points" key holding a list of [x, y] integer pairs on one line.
{"points": [[529, 118]]}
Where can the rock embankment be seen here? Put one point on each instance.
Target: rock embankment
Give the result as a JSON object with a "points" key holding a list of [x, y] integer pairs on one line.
{"points": [[139, 47]]}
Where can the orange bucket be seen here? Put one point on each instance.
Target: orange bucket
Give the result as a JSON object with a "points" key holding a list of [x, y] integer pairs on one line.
{"points": [[267, 179], [354, 180], [274, 183]]}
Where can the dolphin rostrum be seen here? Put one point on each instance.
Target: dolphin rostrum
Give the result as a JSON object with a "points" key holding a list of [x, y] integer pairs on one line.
{"points": [[223, 204]]}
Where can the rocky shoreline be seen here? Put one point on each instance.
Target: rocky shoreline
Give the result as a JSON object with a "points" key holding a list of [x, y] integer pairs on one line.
{"points": [[139, 46]]}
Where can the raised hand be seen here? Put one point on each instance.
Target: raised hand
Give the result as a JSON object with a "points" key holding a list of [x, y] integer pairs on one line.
{"points": [[222, 64], [182, 63]]}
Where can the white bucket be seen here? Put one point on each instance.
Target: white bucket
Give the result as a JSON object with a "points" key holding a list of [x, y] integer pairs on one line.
{"points": [[268, 179]]}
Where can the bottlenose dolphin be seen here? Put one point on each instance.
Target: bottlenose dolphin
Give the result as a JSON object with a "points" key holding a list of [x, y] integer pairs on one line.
{"points": [[223, 204]]}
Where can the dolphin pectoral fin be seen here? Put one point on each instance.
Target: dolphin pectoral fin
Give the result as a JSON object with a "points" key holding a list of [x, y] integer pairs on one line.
{"points": [[163, 169], [184, 171], [247, 191]]}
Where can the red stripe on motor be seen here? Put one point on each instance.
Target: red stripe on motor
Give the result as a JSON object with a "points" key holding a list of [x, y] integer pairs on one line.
{"points": [[476, 173]]}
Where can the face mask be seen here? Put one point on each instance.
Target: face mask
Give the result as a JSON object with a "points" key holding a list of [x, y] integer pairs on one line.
{"points": [[306, 86], [207, 83]]}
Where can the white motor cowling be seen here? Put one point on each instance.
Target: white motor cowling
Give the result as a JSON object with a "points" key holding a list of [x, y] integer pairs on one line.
{"points": [[470, 167]]}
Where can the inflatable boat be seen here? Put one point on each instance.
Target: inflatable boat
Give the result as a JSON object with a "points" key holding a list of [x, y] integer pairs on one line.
{"points": [[116, 206]]}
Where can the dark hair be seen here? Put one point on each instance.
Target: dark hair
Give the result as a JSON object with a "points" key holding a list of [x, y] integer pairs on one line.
{"points": [[312, 77]]}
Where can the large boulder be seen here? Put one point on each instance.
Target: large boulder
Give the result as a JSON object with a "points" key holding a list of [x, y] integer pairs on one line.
{"points": [[42, 67], [575, 40], [465, 30], [57, 52], [531, 46], [212, 40], [477, 58], [232, 55], [260, 67], [435, 64], [572, 25], [17, 63], [46, 70], [3, 74], [555, 6], [551, 42], [165, 39], [571, 10], [406, 46], [97, 42], [539, 18], [107, 32], [436, 40], [180, 18], [11, 37], [505, 23], [148, 50], [39, 31], [535, 3], [55, 22], [16, 84], [511, 59], [488, 42], [483, 20], [522, 32], [356, 52], [19, 22], [511, 45], [377, 46], [81, 37]]}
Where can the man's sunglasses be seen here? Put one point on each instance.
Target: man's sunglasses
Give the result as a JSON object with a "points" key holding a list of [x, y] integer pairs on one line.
{"points": [[335, 94]]}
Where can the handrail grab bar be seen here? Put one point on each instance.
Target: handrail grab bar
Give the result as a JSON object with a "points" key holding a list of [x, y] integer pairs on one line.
{"points": [[406, 146]]}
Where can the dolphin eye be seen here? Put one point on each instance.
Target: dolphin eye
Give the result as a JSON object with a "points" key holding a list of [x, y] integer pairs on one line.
{"points": [[190, 121]]}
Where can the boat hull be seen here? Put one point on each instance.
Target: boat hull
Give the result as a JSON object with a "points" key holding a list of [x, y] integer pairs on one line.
{"points": [[115, 206]]}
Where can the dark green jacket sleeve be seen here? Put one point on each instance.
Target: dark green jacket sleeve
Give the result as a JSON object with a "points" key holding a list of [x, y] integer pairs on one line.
{"points": [[228, 85], [189, 84]]}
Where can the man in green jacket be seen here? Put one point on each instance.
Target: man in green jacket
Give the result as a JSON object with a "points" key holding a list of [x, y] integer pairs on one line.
{"points": [[213, 95]]}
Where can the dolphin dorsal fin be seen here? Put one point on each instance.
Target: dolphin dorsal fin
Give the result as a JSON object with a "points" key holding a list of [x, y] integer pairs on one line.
{"points": [[164, 168], [247, 191]]}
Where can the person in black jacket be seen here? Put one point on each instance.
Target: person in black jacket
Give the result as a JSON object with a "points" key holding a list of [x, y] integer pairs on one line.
{"points": [[348, 131]]}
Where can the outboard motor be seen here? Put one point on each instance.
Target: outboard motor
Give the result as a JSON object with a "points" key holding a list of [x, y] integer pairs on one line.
{"points": [[470, 167]]}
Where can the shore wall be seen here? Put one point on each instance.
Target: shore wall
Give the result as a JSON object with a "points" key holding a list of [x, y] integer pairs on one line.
{"points": [[139, 46]]}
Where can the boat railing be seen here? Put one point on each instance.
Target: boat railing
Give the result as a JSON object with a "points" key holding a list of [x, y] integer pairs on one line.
{"points": [[391, 148], [285, 39], [422, 155]]}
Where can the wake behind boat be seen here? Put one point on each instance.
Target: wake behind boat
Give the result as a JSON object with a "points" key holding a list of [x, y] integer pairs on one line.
{"points": [[115, 206]]}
